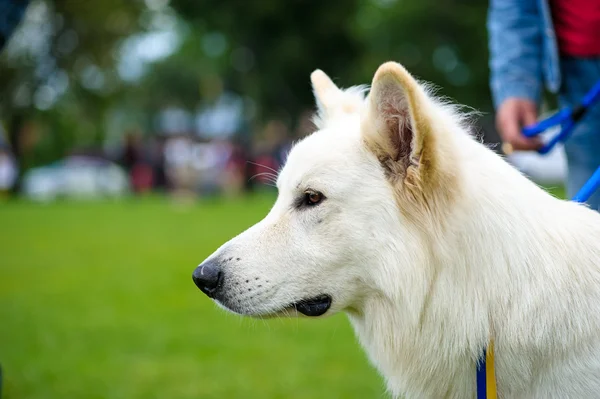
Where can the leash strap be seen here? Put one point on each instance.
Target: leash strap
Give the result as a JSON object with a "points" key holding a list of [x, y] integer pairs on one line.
{"points": [[588, 188], [568, 117], [486, 375]]}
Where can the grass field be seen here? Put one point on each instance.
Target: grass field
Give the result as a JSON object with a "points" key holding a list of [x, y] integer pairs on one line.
{"points": [[97, 301]]}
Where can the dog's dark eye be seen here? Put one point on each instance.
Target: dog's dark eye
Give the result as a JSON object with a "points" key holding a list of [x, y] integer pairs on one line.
{"points": [[312, 198]]}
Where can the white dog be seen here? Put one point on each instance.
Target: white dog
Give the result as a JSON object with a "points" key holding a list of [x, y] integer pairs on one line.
{"points": [[433, 245]]}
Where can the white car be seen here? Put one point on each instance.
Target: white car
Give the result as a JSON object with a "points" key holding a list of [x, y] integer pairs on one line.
{"points": [[76, 177]]}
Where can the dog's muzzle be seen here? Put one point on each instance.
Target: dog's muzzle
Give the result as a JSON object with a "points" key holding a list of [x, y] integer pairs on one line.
{"points": [[210, 278]]}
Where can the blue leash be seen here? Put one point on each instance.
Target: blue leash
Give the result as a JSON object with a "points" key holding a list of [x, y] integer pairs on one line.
{"points": [[588, 188], [568, 117]]}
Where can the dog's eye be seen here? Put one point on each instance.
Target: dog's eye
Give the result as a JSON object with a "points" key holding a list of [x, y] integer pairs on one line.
{"points": [[312, 198]]}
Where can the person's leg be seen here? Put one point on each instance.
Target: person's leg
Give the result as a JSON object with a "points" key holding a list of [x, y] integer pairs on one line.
{"points": [[583, 147]]}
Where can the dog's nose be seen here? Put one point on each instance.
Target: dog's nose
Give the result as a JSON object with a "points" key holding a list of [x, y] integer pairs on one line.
{"points": [[208, 277]]}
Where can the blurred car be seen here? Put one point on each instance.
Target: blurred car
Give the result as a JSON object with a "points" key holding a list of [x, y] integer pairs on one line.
{"points": [[76, 177]]}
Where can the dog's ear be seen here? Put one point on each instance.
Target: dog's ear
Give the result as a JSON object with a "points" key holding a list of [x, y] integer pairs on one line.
{"points": [[327, 94], [397, 127]]}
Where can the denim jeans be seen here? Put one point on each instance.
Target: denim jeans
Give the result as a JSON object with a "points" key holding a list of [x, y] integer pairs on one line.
{"points": [[583, 147]]}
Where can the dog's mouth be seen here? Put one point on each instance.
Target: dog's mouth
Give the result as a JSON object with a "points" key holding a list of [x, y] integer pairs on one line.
{"points": [[316, 306], [312, 307]]}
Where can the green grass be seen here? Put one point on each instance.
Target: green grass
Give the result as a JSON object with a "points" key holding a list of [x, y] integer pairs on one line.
{"points": [[557, 191], [96, 301]]}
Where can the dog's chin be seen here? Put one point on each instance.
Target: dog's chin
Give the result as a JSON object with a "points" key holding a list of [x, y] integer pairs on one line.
{"points": [[311, 307]]}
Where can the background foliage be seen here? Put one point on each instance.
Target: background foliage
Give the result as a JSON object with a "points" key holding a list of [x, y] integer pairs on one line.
{"points": [[69, 70]]}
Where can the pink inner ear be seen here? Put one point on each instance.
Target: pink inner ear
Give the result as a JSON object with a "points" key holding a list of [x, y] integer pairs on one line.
{"points": [[395, 113]]}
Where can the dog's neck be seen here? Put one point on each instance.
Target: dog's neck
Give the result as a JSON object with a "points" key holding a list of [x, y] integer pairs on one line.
{"points": [[438, 328], [414, 361], [428, 355]]}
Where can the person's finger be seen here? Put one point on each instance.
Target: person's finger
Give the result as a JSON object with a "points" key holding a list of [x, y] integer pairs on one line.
{"points": [[511, 118], [507, 148], [515, 141], [522, 143], [529, 117], [509, 126]]}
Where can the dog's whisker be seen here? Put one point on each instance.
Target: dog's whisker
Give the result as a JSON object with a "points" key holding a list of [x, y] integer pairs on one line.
{"points": [[268, 174], [264, 166]]}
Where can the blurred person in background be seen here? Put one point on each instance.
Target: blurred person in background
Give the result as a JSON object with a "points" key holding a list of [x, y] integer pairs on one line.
{"points": [[11, 14], [179, 167], [8, 171], [305, 125], [234, 176], [270, 151], [133, 160], [157, 160], [551, 43]]}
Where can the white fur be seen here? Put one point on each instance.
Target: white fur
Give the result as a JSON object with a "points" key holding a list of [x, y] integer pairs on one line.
{"points": [[508, 262]]}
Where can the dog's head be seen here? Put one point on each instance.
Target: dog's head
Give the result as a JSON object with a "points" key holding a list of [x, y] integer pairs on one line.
{"points": [[361, 189]]}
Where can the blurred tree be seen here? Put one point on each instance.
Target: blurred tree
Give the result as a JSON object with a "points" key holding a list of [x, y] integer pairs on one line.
{"points": [[267, 49], [59, 69], [444, 43], [75, 63]]}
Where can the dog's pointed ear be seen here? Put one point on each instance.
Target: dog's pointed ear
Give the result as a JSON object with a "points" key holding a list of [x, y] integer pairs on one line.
{"points": [[396, 125], [327, 94]]}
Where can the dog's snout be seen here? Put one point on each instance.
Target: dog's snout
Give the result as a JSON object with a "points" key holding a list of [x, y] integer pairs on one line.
{"points": [[208, 277]]}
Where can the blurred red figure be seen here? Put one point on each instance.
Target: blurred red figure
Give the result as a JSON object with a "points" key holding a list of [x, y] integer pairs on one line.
{"points": [[141, 175]]}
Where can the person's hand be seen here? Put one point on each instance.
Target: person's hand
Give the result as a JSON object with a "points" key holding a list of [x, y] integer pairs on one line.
{"points": [[513, 114]]}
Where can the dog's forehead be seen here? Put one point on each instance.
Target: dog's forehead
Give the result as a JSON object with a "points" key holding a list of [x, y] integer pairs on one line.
{"points": [[322, 155]]}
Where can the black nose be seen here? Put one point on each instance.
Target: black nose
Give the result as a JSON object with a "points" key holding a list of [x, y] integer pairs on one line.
{"points": [[208, 277]]}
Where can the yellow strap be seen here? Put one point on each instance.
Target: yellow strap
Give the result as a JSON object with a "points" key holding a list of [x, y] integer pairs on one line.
{"points": [[490, 374]]}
